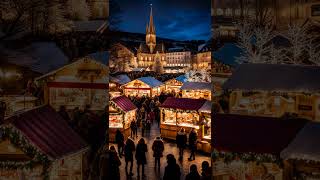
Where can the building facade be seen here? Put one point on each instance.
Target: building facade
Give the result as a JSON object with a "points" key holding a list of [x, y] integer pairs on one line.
{"points": [[278, 13], [99, 9]]}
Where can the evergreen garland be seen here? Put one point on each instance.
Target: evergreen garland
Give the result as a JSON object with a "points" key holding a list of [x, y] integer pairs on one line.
{"points": [[14, 136], [228, 157]]}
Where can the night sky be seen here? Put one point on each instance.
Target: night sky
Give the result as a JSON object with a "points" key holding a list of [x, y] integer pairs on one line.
{"points": [[174, 19]]}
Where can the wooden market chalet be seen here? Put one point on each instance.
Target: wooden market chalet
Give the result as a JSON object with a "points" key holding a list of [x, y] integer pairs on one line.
{"points": [[275, 90], [197, 90], [144, 86], [121, 113], [80, 83], [38, 143], [177, 113], [174, 85]]}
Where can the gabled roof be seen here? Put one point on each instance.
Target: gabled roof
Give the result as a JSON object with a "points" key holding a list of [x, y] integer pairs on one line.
{"points": [[151, 81], [274, 77], [40, 57], [182, 78], [253, 134], [71, 64], [124, 103], [305, 145], [46, 129], [206, 107], [183, 103], [196, 86], [120, 79]]}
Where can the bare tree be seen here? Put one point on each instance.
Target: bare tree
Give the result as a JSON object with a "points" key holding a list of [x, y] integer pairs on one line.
{"points": [[313, 50], [254, 42]]}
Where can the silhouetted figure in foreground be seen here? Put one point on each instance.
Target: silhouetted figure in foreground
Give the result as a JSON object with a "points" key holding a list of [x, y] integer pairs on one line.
{"points": [[141, 158], [129, 148], [158, 148], [172, 170], [193, 174]]}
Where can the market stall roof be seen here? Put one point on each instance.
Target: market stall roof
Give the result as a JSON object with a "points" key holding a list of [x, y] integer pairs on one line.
{"points": [[78, 61], [120, 79], [151, 81], [182, 78], [245, 134], [90, 26], [196, 86], [124, 103], [183, 103], [305, 146], [206, 107], [274, 77], [46, 129]]}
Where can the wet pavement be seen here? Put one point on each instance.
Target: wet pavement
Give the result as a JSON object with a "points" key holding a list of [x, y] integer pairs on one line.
{"points": [[170, 147]]}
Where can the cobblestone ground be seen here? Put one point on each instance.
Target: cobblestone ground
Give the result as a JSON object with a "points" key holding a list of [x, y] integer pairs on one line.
{"points": [[170, 147]]}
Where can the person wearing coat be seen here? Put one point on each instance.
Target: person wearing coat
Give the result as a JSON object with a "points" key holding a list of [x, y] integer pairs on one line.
{"points": [[193, 174], [141, 158], [206, 171], [181, 140], [129, 148], [158, 148], [193, 136], [114, 163], [172, 170], [134, 129], [120, 142]]}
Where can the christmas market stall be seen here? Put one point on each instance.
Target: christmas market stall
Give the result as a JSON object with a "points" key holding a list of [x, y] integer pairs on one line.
{"points": [[197, 90], [83, 82], [39, 144], [205, 127], [302, 158], [177, 113], [174, 85], [144, 86], [121, 113], [275, 90], [249, 147], [115, 83]]}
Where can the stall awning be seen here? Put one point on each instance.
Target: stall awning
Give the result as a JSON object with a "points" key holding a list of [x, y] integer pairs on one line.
{"points": [[306, 145], [197, 86], [120, 79], [183, 103], [124, 103], [206, 107], [245, 134], [46, 129], [274, 77], [182, 78], [151, 81]]}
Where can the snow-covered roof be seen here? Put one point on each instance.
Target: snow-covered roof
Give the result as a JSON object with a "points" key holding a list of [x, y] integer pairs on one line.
{"points": [[151, 81], [182, 78], [274, 77], [138, 69], [120, 79], [101, 57], [40, 57], [196, 86], [90, 26], [227, 54], [305, 146], [67, 65]]}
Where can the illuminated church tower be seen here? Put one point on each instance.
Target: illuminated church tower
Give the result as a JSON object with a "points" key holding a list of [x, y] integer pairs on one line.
{"points": [[151, 33]]}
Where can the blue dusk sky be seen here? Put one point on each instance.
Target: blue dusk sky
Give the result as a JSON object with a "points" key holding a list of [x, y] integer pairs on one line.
{"points": [[174, 19]]}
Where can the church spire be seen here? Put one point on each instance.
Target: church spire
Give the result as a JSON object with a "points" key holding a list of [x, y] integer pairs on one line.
{"points": [[151, 33], [151, 28]]}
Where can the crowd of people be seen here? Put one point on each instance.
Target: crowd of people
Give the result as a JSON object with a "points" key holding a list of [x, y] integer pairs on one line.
{"points": [[109, 162]]}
